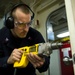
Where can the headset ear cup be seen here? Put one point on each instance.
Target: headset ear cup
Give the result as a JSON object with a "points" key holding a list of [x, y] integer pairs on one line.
{"points": [[32, 17], [9, 23]]}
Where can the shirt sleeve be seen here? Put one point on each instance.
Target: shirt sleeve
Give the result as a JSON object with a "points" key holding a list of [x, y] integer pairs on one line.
{"points": [[3, 62], [3, 58], [45, 66]]}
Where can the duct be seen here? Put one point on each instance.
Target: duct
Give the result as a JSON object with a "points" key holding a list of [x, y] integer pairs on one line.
{"points": [[45, 4]]}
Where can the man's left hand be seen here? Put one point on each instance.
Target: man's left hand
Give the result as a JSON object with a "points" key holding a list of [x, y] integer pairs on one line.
{"points": [[36, 60]]}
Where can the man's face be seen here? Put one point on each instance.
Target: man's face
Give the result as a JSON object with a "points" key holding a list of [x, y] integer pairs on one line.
{"points": [[21, 24]]}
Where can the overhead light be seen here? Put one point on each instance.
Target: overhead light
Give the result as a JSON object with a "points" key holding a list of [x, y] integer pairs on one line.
{"points": [[65, 34]]}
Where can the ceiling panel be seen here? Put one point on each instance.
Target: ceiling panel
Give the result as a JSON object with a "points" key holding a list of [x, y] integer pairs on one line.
{"points": [[5, 5]]}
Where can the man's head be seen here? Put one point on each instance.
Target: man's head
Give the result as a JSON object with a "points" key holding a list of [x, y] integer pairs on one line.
{"points": [[20, 21]]}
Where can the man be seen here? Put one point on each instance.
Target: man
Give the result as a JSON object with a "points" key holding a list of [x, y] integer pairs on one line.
{"points": [[20, 35]]}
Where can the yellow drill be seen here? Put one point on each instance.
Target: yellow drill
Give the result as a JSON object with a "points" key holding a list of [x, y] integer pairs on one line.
{"points": [[39, 49]]}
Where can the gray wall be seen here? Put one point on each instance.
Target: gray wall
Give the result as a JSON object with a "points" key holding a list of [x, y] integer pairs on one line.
{"points": [[1, 23]]}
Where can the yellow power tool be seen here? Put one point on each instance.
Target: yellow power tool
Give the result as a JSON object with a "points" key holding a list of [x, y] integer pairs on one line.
{"points": [[39, 49], [27, 49]]}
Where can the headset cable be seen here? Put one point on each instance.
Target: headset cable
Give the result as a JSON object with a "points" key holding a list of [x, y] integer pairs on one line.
{"points": [[15, 70]]}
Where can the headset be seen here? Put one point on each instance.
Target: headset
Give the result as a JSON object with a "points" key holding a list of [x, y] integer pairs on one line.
{"points": [[9, 20]]}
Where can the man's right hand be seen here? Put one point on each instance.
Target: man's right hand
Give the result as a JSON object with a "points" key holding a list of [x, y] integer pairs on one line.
{"points": [[15, 56]]}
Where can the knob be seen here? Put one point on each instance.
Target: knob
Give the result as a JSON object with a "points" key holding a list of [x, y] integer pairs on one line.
{"points": [[67, 60]]}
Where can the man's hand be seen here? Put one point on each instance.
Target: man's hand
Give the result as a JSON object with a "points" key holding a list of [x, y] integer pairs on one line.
{"points": [[15, 56], [35, 60]]}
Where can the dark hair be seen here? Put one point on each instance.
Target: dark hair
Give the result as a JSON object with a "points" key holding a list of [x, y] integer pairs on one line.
{"points": [[24, 9]]}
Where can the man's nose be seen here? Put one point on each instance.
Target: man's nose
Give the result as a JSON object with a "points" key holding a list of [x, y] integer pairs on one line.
{"points": [[25, 26]]}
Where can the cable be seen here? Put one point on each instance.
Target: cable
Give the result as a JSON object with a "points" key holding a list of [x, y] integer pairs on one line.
{"points": [[15, 70]]}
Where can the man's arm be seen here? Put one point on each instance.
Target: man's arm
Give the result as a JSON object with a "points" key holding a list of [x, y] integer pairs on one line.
{"points": [[40, 63], [45, 66], [39, 39]]}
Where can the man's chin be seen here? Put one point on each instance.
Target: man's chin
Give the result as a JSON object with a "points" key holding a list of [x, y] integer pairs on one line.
{"points": [[22, 36]]}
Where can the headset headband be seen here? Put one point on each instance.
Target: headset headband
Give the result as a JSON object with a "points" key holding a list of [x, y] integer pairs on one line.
{"points": [[17, 5]]}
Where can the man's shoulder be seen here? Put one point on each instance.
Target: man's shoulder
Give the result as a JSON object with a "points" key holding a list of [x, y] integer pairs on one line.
{"points": [[3, 32], [34, 31], [36, 35], [3, 29]]}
